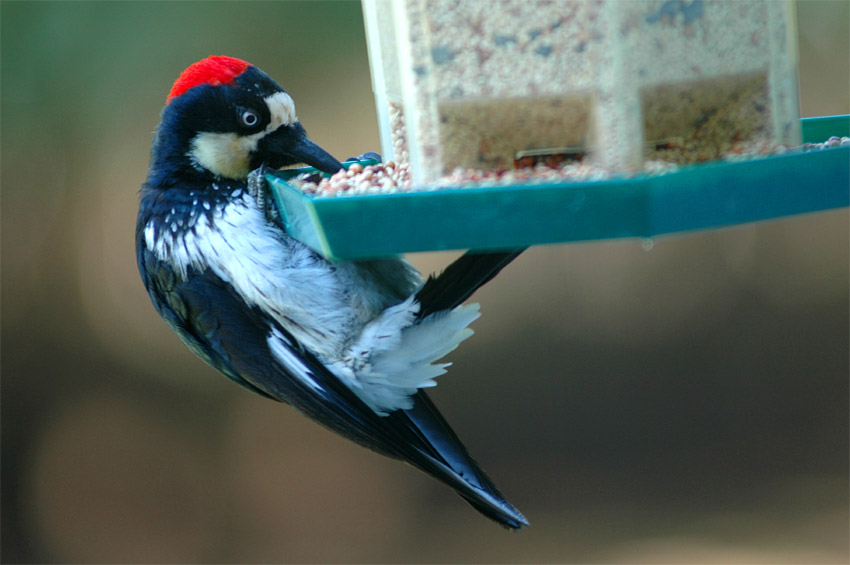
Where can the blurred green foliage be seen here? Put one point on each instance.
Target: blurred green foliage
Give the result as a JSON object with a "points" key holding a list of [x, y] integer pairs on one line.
{"points": [[686, 403]]}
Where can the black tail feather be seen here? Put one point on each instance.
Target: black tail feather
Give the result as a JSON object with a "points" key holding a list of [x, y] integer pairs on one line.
{"points": [[445, 292], [460, 471], [467, 274]]}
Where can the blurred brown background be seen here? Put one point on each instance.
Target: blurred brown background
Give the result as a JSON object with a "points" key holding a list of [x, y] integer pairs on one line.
{"points": [[684, 403]]}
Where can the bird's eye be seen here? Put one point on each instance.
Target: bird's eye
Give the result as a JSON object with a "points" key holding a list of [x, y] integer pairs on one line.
{"points": [[249, 118]]}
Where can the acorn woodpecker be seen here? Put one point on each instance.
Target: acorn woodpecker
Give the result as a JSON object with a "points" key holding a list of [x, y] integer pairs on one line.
{"points": [[349, 344]]}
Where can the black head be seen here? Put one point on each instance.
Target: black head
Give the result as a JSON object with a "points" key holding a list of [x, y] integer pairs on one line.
{"points": [[225, 118]]}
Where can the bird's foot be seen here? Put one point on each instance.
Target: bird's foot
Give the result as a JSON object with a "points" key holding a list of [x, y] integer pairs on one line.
{"points": [[365, 156], [259, 189]]}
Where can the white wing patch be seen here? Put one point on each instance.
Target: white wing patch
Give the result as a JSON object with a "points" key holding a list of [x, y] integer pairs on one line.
{"points": [[282, 348]]}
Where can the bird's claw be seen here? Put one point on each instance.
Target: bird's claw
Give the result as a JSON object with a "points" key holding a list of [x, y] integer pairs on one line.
{"points": [[259, 189], [365, 156], [257, 182]]}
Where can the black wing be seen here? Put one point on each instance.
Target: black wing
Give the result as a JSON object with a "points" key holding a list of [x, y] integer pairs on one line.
{"points": [[458, 281], [214, 321]]}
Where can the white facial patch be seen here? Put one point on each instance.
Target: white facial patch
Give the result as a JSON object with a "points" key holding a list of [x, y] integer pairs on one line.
{"points": [[228, 154], [282, 110]]}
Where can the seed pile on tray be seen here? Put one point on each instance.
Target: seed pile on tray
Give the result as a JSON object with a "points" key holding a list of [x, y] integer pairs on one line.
{"points": [[381, 178], [833, 141], [391, 177], [387, 178]]}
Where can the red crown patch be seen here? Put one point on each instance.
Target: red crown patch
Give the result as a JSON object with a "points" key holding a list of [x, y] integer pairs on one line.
{"points": [[214, 70]]}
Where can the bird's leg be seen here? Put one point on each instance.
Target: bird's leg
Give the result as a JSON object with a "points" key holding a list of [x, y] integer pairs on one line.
{"points": [[257, 184], [259, 189]]}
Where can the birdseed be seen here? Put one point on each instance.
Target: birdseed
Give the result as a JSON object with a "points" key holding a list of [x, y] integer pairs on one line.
{"points": [[382, 178], [390, 177]]}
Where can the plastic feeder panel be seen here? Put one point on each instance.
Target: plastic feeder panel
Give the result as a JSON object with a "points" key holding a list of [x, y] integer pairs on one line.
{"points": [[475, 83]]}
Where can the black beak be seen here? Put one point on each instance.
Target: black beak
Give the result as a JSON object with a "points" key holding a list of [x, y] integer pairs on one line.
{"points": [[289, 145]]}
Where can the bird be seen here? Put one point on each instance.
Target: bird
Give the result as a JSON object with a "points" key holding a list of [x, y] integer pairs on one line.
{"points": [[351, 344]]}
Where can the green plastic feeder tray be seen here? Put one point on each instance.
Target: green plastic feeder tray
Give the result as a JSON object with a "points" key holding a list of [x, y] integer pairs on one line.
{"points": [[693, 198]]}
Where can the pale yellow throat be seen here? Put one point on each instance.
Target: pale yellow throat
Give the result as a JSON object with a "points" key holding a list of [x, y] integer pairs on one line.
{"points": [[224, 154]]}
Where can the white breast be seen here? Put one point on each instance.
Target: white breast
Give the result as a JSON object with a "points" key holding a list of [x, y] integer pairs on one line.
{"points": [[357, 317], [284, 278]]}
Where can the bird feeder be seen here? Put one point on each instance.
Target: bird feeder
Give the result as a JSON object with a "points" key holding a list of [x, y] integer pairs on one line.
{"points": [[484, 84], [496, 85]]}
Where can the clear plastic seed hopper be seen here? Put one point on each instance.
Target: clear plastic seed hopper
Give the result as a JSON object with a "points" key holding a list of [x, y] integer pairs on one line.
{"points": [[683, 105]]}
